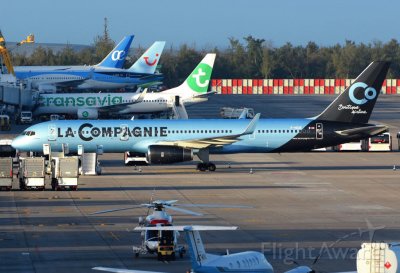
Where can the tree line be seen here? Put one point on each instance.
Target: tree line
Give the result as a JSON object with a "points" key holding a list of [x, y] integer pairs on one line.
{"points": [[247, 58]]}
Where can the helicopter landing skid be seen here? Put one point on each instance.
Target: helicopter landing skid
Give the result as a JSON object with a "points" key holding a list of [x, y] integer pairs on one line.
{"points": [[142, 250]]}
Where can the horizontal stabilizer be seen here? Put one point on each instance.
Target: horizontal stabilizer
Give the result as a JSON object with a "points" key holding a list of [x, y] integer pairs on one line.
{"points": [[205, 95], [188, 228], [364, 131]]}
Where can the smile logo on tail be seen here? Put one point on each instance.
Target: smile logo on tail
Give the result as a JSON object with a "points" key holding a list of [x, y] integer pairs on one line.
{"points": [[117, 55], [369, 93], [146, 59], [200, 78]]}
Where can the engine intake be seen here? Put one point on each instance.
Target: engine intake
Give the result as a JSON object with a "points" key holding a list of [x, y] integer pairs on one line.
{"points": [[158, 154]]}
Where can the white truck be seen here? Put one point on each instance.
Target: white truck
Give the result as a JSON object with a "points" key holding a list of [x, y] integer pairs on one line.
{"points": [[6, 173], [132, 158], [235, 113], [25, 117], [378, 258], [31, 173], [64, 173]]}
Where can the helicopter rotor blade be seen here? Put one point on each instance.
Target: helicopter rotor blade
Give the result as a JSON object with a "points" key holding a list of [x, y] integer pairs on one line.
{"points": [[164, 202], [186, 211], [214, 206], [112, 210]]}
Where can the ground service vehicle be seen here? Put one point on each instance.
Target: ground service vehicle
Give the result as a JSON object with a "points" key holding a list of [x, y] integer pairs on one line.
{"points": [[349, 146], [132, 158], [5, 124], [26, 117], [64, 173], [378, 143], [31, 173], [6, 173], [228, 112], [378, 257]]}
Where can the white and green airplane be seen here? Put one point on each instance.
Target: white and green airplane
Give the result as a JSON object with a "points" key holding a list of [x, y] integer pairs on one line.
{"points": [[90, 105]]}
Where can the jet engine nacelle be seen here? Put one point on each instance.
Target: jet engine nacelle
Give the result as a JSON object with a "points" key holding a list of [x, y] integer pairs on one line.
{"points": [[47, 88], [158, 154], [84, 113]]}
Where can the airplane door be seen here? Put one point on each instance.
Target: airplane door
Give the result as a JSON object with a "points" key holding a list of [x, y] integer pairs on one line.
{"points": [[52, 133], [124, 132], [319, 131]]}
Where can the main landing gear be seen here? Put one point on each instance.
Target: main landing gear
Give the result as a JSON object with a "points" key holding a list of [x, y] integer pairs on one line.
{"points": [[205, 165]]}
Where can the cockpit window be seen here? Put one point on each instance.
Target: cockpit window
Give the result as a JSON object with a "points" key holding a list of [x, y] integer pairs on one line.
{"points": [[28, 133]]}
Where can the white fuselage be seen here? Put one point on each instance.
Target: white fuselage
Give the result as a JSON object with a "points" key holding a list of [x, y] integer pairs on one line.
{"points": [[69, 103]]}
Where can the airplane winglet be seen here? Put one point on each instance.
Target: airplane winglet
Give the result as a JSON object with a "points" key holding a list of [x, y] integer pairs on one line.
{"points": [[252, 125], [141, 96]]}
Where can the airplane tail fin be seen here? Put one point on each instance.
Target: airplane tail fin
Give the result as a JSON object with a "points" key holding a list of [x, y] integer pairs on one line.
{"points": [[147, 63], [198, 254], [196, 84], [197, 251], [116, 58], [356, 103]]}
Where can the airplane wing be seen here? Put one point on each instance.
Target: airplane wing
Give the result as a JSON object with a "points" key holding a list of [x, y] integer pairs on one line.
{"points": [[122, 106], [364, 131], [150, 76], [71, 83], [187, 228], [218, 141], [120, 270]]}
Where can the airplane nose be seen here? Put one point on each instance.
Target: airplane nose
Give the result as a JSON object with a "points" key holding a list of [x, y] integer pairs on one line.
{"points": [[18, 143]]}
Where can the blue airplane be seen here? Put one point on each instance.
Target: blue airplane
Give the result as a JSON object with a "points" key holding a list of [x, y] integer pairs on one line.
{"points": [[108, 74], [173, 141]]}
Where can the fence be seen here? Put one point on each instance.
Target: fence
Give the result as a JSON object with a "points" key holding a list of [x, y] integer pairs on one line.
{"points": [[292, 86]]}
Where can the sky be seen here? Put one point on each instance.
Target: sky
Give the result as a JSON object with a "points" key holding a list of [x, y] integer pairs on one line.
{"points": [[203, 23]]}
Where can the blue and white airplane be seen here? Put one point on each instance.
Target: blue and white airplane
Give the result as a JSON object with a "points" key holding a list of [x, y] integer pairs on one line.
{"points": [[108, 74], [173, 141], [88, 105], [202, 262]]}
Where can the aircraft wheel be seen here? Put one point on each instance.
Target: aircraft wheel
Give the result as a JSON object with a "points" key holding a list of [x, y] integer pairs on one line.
{"points": [[202, 167], [211, 167], [137, 254]]}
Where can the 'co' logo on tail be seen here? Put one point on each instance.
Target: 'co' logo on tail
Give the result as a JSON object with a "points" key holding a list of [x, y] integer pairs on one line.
{"points": [[369, 93]]}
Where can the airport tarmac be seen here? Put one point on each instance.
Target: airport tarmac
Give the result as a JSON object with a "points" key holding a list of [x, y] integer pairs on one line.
{"points": [[305, 204]]}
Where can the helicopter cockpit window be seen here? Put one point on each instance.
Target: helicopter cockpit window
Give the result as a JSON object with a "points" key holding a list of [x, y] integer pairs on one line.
{"points": [[152, 235]]}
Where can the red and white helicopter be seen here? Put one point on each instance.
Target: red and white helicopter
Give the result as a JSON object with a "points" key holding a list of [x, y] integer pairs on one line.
{"points": [[163, 242]]}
